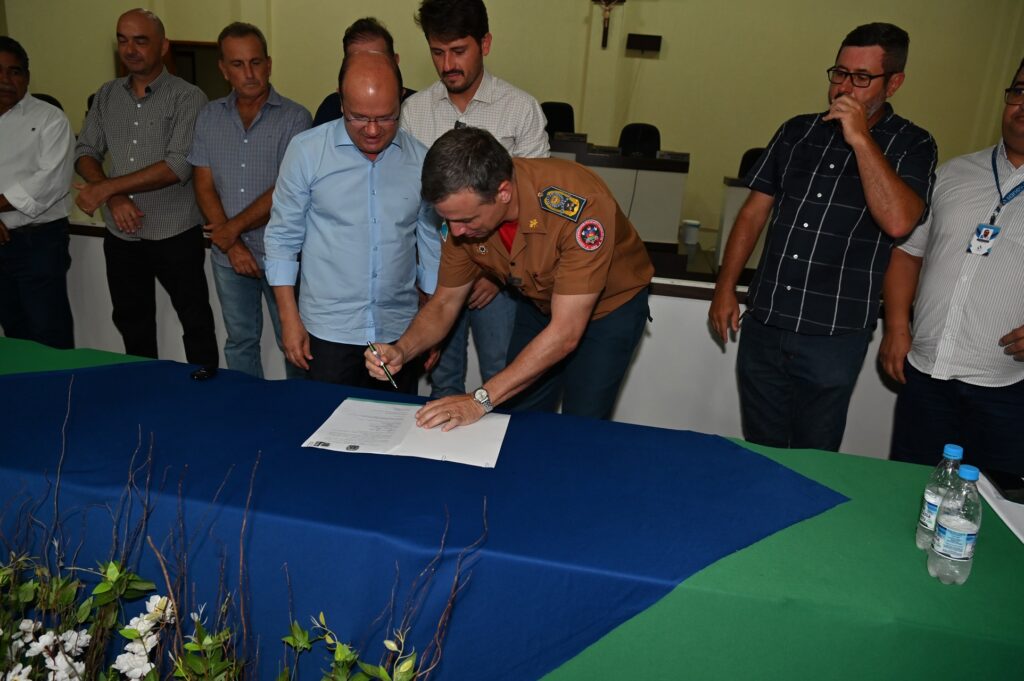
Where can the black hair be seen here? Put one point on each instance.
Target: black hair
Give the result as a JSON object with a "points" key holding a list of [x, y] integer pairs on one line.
{"points": [[465, 158], [893, 40], [12, 46], [449, 20], [364, 30]]}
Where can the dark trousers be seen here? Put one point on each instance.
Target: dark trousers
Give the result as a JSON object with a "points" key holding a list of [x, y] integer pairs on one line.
{"points": [[345, 365], [931, 413], [795, 388], [134, 267], [587, 381], [33, 284]]}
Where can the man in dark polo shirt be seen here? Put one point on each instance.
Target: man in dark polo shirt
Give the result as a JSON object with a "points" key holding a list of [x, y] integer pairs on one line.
{"points": [[551, 229], [841, 187]]}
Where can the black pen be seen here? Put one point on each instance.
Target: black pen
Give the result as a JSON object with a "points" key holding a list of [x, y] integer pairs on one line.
{"points": [[373, 349]]}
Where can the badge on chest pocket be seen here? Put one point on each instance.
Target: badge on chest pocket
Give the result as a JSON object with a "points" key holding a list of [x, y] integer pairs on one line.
{"points": [[983, 240]]}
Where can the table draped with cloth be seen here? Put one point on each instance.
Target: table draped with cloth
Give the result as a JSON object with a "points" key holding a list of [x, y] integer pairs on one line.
{"points": [[611, 550]]}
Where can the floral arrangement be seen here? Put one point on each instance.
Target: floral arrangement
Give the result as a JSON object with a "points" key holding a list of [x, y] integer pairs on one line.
{"points": [[65, 622], [68, 623]]}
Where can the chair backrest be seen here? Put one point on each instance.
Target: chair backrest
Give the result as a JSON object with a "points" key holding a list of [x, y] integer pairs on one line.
{"points": [[49, 99], [560, 117], [750, 157], [640, 139]]}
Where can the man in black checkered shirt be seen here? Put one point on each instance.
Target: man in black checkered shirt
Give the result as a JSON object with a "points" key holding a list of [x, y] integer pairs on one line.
{"points": [[840, 187]]}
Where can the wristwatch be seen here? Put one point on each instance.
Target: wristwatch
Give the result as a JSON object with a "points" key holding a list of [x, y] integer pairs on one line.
{"points": [[483, 399]]}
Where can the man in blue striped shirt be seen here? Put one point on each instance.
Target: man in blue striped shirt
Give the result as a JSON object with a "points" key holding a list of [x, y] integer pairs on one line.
{"points": [[348, 199], [840, 188], [237, 148]]}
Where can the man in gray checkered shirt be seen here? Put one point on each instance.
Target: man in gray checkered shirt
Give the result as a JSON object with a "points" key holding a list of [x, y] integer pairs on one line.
{"points": [[145, 121]]}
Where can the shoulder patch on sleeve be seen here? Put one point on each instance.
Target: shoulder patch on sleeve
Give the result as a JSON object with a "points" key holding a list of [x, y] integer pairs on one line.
{"points": [[563, 203], [590, 235]]}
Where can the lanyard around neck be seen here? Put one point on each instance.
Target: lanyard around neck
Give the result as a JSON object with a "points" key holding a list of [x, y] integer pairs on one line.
{"points": [[1003, 200]]}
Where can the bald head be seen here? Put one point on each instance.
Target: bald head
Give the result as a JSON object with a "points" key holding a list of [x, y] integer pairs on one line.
{"points": [[149, 16], [141, 44], [369, 70], [370, 86]]}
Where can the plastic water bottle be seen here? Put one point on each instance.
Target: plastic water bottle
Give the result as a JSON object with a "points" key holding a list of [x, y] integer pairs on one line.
{"points": [[956, 529], [938, 484]]}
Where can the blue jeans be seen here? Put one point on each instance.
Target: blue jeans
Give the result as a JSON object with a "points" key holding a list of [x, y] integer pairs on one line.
{"points": [[33, 285], [492, 330], [241, 305], [586, 382], [795, 388], [931, 412]]}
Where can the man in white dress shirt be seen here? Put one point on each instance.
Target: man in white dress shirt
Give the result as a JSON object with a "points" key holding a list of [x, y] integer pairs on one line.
{"points": [[458, 34], [35, 175], [961, 362]]}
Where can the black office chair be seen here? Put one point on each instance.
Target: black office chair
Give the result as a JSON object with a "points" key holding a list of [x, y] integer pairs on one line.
{"points": [[750, 157], [640, 139], [560, 117], [49, 99]]}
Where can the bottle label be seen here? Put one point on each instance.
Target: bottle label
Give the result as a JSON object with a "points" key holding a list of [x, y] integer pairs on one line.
{"points": [[952, 544], [929, 509]]}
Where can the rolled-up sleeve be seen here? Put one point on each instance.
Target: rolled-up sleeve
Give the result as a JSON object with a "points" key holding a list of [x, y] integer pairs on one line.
{"points": [[49, 180], [183, 125], [428, 247], [286, 230], [92, 142]]}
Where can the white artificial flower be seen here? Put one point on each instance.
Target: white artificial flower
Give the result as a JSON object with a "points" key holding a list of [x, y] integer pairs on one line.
{"points": [[28, 629], [141, 624], [133, 666], [161, 607], [19, 673], [75, 642], [63, 668], [142, 646], [16, 647], [41, 645]]}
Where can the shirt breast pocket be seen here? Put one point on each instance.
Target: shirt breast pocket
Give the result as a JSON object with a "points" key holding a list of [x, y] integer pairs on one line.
{"points": [[159, 127]]}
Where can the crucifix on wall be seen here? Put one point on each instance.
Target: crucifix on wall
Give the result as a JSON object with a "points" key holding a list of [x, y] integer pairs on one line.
{"points": [[606, 10]]}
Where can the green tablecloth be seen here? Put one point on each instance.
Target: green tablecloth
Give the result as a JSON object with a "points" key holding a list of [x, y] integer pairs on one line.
{"points": [[844, 595]]}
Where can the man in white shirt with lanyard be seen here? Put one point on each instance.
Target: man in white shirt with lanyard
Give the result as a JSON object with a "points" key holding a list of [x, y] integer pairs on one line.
{"points": [[961, 362], [458, 34], [35, 176]]}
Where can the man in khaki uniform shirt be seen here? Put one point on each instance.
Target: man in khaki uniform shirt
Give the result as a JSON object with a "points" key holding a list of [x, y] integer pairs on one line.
{"points": [[551, 229]]}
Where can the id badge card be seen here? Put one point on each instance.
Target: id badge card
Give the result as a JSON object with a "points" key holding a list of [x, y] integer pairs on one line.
{"points": [[983, 240]]}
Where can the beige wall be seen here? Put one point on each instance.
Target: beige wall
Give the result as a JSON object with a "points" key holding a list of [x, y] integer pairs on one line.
{"points": [[728, 74]]}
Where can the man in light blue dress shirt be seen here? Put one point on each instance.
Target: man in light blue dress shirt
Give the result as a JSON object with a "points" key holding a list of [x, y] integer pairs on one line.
{"points": [[348, 200], [237, 148]]}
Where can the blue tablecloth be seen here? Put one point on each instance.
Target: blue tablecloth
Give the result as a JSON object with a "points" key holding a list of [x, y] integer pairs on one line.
{"points": [[588, 522]]}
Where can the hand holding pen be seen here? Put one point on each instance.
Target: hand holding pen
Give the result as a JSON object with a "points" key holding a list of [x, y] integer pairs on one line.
{"points": [[377, 360]]}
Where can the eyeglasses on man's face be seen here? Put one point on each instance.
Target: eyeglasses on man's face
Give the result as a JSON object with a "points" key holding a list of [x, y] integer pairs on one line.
{"points": [[836, 76], [1014, 95], [363, 121]]}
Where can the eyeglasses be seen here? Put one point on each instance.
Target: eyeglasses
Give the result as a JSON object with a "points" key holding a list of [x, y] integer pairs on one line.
{"points": [[363, 121], [1014, 95], [836, 76]]}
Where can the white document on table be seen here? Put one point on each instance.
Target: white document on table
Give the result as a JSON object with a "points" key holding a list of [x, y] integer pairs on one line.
{"points": [[371, 427], [1011, 513]]}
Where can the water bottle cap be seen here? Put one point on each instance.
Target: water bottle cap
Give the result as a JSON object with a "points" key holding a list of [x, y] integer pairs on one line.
{"points": [[968, 472], [955, 452]]}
